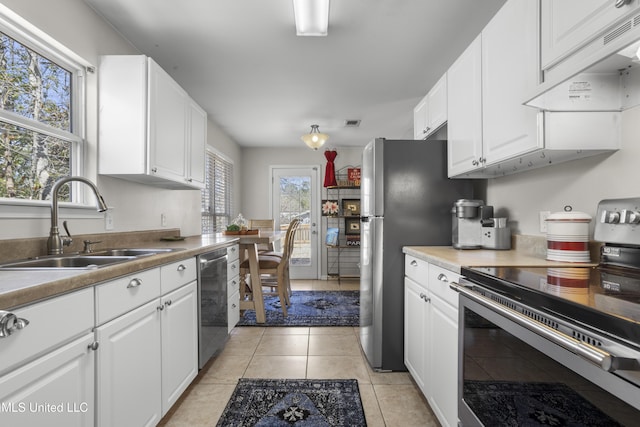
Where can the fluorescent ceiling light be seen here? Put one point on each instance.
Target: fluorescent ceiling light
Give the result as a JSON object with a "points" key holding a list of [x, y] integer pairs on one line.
{"points": [[312, 17]]}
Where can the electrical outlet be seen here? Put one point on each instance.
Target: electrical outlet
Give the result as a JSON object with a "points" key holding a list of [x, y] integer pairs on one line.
{"points": [[163, 220], [543, 220], [108, 220]]}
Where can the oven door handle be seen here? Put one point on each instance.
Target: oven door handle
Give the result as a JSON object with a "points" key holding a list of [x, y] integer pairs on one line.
{"points": [[604, 360]]}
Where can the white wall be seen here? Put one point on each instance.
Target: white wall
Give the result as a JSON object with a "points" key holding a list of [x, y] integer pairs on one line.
{"points": [[580, 183], [135, 206], [256, 163]]}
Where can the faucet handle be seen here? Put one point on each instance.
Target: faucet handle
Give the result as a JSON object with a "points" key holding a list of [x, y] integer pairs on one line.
{"points": [[66, 241], [87, 246]]}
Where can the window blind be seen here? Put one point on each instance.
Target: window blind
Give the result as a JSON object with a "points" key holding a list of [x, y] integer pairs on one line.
{"points": [[217, 196]]}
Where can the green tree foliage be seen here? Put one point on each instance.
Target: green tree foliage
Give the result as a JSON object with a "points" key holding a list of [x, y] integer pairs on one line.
{"points": [[37, 89]]}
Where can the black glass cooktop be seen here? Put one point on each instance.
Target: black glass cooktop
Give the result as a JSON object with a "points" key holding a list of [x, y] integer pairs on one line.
{"points": [[603, 299]]}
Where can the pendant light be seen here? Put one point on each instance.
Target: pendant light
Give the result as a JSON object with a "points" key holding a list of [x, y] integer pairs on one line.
{"points": [[315, 139]]}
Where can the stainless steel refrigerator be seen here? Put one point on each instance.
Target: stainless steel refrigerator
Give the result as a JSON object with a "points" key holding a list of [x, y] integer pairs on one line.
{"points": [[406, 200]]}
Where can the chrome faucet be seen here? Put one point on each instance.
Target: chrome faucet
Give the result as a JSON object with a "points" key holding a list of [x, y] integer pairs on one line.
{"points": [[55, 244]]}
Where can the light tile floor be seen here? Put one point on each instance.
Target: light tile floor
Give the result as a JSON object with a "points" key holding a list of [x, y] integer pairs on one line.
{"points": [[389, 399]]}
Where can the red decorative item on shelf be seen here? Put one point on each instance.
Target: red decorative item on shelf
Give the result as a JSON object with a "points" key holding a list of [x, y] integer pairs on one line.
{"points": [[330, 170]]}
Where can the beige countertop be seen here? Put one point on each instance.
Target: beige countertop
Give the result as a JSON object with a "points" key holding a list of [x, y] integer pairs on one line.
{"points": [[20, 287], [453, 259]]}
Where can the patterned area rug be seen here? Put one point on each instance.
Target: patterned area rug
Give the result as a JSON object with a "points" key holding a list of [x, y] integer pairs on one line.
{"points": [[310, 308], [312, 403], [531, 404]]}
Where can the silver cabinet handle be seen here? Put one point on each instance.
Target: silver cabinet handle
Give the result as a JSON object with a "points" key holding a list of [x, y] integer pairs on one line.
{"points": [[134, 283], [93, 346], [414, 263], [233, 266], [620, 3], [233, 305], [181, 267], [167, 303], [160, 307], [424, 297], [10, 323], [598, 357], [443, 278], [475, 163]]}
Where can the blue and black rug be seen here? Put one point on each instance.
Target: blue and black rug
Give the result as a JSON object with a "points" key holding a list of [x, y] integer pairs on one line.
{"points": [[313, 403], [504, 403], [310, 308]]}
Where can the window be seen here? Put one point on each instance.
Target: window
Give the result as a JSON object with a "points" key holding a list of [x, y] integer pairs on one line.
{"points": [[217, 199], [41, 113]]}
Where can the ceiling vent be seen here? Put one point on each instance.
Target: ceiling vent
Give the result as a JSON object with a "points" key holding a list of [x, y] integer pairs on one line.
{"points": [[351, 123]]}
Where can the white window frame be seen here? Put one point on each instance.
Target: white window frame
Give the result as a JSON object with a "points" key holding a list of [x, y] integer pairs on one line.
{"points": [[27, 34], [213, 151]]}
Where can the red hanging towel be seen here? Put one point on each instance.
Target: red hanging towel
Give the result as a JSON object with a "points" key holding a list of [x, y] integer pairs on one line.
{"points": [[330, 170]]}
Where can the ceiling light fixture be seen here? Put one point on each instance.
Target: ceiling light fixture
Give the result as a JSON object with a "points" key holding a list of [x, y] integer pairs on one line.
{"points": [[315, 139], [312, 17]]}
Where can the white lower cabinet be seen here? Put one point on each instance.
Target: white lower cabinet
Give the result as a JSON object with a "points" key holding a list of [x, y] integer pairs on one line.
{"points": [[129, 369], [147, 356], [233, 287], [56, 390], [431, 336], [179, 325]]}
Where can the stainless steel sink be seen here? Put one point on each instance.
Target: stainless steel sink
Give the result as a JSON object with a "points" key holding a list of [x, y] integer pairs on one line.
{"points": [[68, 262], [84, 261], [135, 252]]}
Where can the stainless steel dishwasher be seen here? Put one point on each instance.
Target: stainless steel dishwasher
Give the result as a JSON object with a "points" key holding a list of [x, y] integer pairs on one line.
{"points": [[212, 304]]}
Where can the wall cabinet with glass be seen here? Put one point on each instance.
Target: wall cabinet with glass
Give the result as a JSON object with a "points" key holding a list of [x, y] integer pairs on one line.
{"points": [[151, 131]]}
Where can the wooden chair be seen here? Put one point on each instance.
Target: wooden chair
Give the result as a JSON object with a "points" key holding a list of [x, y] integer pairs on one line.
{"points": [[265, 225], [274, 269]]}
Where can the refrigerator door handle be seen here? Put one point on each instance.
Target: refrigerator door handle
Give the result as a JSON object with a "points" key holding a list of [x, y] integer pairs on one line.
{"points": [[364, 219]]}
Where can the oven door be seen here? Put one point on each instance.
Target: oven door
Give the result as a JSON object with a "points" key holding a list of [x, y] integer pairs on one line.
{"points": [[510, 375]]}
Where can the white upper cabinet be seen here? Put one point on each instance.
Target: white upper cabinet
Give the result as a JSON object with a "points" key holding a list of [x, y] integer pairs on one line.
{"points": [[509, 73], [568, 25], [464, 111], [491, 132], [431, 112], [151, 131]]}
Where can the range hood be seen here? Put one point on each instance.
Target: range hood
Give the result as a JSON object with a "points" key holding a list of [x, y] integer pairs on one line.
{"points": [[603, 75]]}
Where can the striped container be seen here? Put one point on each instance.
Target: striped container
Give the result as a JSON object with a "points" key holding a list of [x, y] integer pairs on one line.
{"points": [[568, 237]]}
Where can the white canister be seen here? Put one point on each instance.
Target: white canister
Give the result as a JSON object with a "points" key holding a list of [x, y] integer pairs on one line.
{"points": [[568, 236]]}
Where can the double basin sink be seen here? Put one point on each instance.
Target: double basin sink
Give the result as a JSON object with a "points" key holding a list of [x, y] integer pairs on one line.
{"points": [[82, 261]]}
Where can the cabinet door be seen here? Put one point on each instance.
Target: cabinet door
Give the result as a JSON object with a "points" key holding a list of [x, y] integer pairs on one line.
{"points": [[568, 25], [437, 109], [60, 381], [129, 369], [420, 114], [197, 145], [443, 361], [167, 125], [416, 334], [179, 342], [509, 64], [464, 127]]}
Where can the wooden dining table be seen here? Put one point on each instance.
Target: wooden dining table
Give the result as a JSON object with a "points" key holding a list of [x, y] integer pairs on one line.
{"points": [[249, 250]]}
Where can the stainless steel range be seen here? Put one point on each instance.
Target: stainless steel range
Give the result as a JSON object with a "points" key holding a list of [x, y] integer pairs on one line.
{"points": [[556, 346]]}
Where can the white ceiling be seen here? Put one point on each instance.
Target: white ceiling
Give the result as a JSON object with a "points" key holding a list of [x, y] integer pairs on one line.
{"points": [[242, 62]]}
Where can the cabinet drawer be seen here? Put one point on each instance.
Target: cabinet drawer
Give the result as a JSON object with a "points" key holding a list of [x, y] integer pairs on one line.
{"points": [[233, 253], [233, 284], [51, 323], [233, 268], [233, 310], [176, 274], [439, 279], [416, 269], [122, 295]]}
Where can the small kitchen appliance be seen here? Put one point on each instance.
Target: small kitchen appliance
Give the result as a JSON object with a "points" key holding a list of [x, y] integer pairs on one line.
{"points": [[577, 327], [496, 234], [467, 216]]}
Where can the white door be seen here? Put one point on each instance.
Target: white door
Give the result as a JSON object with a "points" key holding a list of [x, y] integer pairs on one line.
{"points": [[294, 194]]}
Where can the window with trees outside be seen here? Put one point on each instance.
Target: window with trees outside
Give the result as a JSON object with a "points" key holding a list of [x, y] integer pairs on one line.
{"points": [[217, 196], [41, 112]]}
